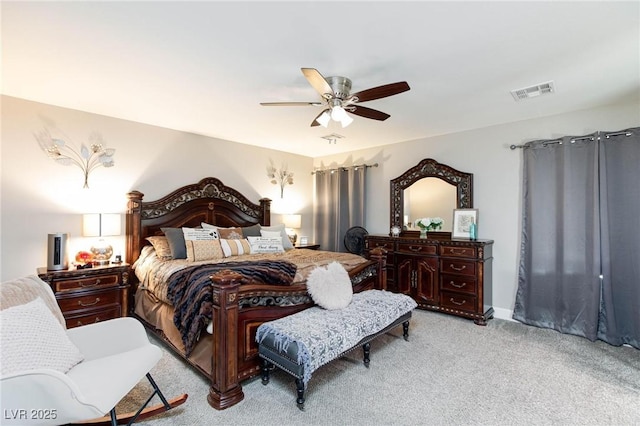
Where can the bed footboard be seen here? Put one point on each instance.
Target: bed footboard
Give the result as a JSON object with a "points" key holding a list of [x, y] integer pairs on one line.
{"points": [[235, 322]]}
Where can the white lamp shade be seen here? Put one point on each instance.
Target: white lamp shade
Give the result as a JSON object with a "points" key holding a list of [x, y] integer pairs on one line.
{"points": [[292, 221], [91, 225], [110, 224], [101, 225], [338, 113]]}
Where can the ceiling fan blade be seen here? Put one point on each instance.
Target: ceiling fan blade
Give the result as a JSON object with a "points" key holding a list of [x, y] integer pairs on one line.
{"points": [[315, 122], [290, 103], [317, 81], [382, 91], [368, 112]]}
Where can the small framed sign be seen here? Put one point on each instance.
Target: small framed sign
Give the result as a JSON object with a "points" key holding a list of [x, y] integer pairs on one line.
{"points": [[304, 240], [462, 220]]}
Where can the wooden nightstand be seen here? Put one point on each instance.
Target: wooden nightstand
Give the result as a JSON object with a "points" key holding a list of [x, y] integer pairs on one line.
{"points": [[309, 246], [90, 295]]}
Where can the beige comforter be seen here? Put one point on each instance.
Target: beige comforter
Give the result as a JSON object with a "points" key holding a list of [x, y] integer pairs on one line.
{"points": [[154, 273]]}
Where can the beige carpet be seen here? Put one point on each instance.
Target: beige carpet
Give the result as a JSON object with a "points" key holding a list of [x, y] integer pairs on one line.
{"points": [[450, 372]]}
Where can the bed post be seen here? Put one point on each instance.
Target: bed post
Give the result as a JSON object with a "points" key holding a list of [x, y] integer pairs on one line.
{"points": [[133, 225], [265, 207], [225, 389], [380, 256]]}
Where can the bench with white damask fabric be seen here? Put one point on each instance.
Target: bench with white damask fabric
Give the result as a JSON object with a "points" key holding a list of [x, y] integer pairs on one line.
{"points": [[302, 342]]}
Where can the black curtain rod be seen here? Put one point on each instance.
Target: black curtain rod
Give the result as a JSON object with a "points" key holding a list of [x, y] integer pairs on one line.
{"points": [[344, 168], [551, 142]]}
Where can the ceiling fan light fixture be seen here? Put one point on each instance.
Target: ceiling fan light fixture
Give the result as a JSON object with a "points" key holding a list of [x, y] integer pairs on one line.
{"points": [[346, 121], [324, 119], [338, 113]]}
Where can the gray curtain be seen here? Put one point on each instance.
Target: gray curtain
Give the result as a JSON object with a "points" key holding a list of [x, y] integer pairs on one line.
{"points": [[620, 212], [578, 272], [340, 204]]}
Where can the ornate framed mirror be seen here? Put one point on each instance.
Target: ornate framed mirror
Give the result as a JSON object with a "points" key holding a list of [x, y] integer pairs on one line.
{"points": [[461, 191]]}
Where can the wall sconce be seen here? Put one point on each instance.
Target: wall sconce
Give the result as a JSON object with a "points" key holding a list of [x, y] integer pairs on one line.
{"points": [[101, 225], [292, 222], [87, 159], [280, 177]]}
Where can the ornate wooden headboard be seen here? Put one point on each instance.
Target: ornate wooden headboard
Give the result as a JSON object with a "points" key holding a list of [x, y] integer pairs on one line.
{"points": [[207, 201]]}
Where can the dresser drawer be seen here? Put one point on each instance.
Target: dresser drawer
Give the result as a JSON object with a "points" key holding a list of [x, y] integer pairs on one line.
{"points": [[88, 300], [373, 243], [88, 282], [454, 251], [417, 248], [457, 301], [454, 266], [85, 318], [460, 283]]}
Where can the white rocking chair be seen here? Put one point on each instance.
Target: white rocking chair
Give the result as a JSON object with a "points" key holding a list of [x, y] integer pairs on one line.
{"points": [[117, 355]]}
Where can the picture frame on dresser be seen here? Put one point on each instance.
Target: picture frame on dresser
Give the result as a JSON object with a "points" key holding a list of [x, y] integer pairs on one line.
{"points": [[462, 220]]}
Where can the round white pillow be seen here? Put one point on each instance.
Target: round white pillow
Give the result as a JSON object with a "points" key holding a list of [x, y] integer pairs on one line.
{"points": [[330, 287]]}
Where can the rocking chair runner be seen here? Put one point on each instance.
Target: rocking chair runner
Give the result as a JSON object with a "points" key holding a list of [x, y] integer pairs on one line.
{"points": [[117, 355]]}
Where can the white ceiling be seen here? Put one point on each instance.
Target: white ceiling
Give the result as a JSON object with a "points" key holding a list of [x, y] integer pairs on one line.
{"points": [[204, 67]]}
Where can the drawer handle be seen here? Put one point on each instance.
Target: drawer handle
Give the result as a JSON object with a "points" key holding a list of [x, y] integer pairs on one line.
{"points": [[457, 251], [88, 304], [457, 303], [95, 321], [413, 248], [451, 283], [458, 269], [90, 284]]}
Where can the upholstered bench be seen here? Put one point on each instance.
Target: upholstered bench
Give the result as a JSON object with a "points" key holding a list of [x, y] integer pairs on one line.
{"points": [[302, 342]]}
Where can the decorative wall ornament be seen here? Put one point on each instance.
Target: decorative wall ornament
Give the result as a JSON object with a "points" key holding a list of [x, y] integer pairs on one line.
{"points": [[282, 177], [86, 158]]}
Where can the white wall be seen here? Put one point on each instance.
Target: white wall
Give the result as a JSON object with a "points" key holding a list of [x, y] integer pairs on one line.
{"points": [[497, 176], [39, 197]]}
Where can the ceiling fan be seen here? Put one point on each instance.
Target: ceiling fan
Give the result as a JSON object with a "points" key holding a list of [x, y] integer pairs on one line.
{"points": [[338, 99]]}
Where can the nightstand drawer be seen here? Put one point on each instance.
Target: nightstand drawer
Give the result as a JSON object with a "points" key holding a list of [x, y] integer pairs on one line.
{"points": [[461, 283], [90, 300], [89, 282], [83, 318]]}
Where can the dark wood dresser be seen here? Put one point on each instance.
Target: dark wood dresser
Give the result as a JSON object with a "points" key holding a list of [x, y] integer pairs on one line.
{"points": [[445, 275], [90, 295]]}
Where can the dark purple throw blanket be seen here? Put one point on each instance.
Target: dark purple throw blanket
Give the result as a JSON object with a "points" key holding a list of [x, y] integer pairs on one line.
{"points": [[190, 291]]}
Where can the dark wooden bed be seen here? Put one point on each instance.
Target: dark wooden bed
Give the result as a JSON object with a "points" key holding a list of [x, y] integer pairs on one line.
{"points": [[231, 352]]}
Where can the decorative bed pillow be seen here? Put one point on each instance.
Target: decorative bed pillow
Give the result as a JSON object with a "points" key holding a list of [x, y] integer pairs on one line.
{"points": [[202, 244], [161, 246], [235, 247], [265, 245], [251, 231], [175, 237], [286, 242], [330, 287], [33, 338], [230, 233]]}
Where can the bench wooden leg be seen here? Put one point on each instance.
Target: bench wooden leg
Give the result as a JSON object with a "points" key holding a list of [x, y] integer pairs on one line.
{"points": [[300, 390], [405, 330], [266, 368], [366, 350]]}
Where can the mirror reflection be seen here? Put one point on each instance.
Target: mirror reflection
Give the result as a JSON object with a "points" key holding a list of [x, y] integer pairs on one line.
{"points": [[429, 197]]}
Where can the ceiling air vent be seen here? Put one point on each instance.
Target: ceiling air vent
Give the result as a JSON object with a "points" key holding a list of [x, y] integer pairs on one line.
{"points": [[332, 138], [533, 91]]}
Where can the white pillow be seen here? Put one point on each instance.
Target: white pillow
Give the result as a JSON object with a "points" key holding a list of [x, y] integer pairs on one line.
{"points": [[265, 245], [286, 242], [330, 287], [199, 234], [32, 338]]}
